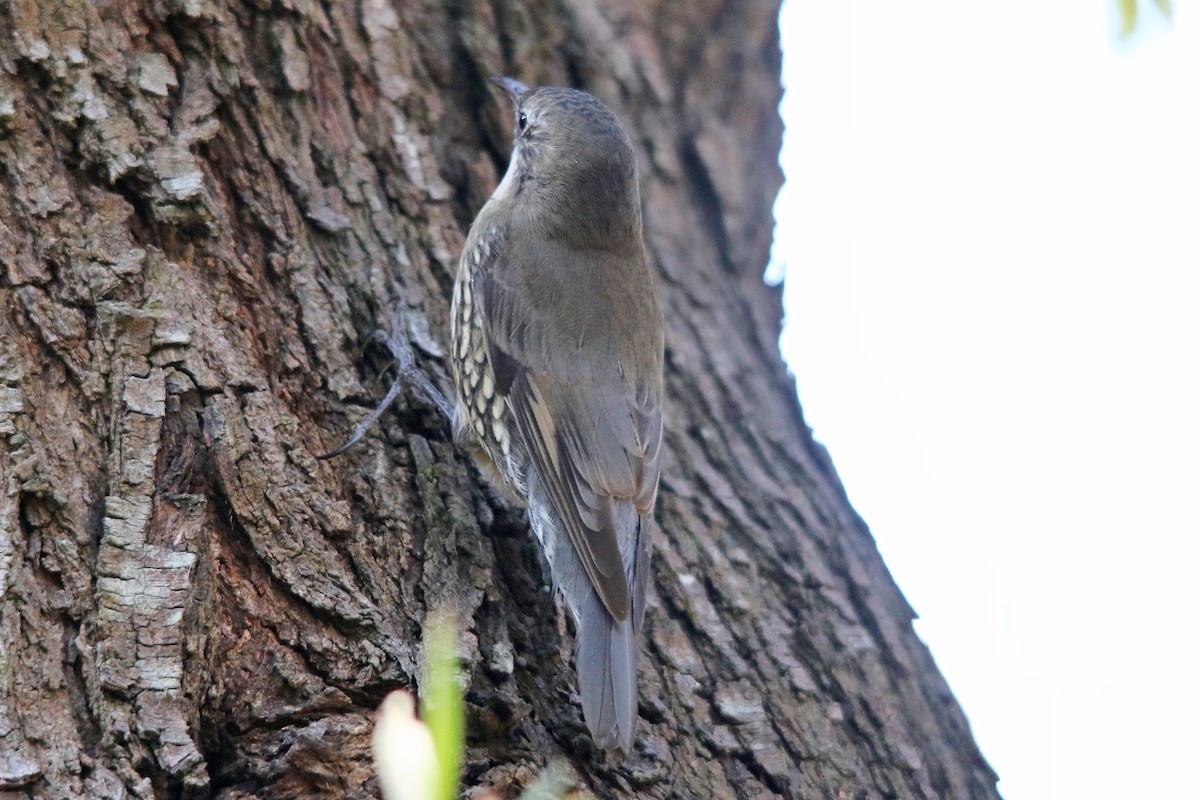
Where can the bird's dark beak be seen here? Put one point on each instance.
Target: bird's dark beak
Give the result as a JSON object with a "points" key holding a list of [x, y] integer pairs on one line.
{"points": [[516, 90]]}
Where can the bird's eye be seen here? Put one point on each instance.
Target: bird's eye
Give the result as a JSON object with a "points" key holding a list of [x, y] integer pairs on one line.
{"points": [[522, 121]]}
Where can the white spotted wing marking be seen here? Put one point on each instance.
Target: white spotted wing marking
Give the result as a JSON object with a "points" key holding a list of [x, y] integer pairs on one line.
{"points": [[479, 408]]}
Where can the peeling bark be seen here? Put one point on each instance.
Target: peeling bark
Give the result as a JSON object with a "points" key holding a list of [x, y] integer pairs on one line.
{"points": [[207, 207]]}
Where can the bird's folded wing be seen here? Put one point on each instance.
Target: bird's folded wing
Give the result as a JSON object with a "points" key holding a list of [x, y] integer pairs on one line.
{"points": [[592, 430], [588, 461]]}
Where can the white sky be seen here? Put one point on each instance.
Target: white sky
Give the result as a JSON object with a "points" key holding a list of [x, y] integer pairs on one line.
{"points": [[992, 250]]}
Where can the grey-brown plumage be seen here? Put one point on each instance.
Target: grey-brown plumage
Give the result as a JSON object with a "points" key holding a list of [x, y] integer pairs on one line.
{"points": [[558, 358]]}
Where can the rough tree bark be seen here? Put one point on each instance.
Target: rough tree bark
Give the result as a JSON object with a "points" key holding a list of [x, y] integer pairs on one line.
{"points": [[207, 206]]}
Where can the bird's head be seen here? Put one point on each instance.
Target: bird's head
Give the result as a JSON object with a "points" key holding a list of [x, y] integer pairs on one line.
{"points": [[568, 148]]}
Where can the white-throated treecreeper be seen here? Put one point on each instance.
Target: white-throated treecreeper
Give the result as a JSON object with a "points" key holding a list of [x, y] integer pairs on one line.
{"points": [[558, 367]]}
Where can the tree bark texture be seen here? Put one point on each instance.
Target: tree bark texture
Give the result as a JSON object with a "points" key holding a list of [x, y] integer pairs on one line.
{"points": [[206, 208]]}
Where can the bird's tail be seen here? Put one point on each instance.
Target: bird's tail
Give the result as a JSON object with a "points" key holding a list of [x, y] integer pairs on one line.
{"points": [[604, 657], [605, 648]]}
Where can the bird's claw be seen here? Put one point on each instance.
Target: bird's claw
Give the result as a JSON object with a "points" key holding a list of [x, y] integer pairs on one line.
{"points": [[407, 374]]}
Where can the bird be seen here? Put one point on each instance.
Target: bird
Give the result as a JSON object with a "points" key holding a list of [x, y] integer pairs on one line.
{"points": [[557, 358]]}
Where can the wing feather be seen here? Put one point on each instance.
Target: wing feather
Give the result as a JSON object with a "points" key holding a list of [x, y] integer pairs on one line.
{"points": [[591, 425]]}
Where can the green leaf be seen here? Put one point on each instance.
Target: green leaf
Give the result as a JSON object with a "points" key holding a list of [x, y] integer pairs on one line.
{"points": [[1129, 12], [442, 701]]}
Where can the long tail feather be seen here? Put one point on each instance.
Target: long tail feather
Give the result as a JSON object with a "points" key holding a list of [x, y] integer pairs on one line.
{"points": [[604, 656], [605, 648]]}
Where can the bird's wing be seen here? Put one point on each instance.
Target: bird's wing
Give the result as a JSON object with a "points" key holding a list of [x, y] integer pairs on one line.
{"points": [[579, 359]]}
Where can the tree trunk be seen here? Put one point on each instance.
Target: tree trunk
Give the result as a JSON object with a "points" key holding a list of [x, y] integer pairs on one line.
{"points": [[208, 206]]}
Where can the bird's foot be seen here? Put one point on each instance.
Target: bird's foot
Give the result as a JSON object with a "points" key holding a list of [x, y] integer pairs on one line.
{"points": [[408, 375]]}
